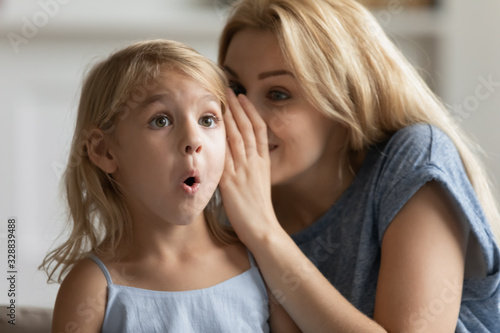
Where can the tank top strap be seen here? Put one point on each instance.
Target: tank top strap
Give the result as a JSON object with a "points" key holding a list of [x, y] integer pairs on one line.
{"points": [[251, 258], [103, 268]]}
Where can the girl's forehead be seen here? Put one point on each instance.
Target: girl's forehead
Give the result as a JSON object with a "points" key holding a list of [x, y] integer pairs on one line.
{"points": [[170, 85]]}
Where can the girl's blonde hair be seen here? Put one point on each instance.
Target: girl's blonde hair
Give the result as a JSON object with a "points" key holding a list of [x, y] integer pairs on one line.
{"points": [[352, 72], [100, 220]]}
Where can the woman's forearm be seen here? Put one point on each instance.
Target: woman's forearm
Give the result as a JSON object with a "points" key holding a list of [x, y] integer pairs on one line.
{"points": [[308, 297]]}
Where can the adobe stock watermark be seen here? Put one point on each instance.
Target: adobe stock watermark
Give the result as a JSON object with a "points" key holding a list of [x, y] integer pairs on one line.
{"points": [[31, 26], [93, 305], [384, 16], [222, 8], [483, 91], [450, 293], [293, 279], [303, 271]]}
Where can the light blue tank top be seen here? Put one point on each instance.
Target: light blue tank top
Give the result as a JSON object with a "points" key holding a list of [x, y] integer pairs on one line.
{"points": [[239, 304]]}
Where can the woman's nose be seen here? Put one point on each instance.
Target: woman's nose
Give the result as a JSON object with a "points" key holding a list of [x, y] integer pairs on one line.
{"points": [[276, 119], [273, 118], [259, 105]]}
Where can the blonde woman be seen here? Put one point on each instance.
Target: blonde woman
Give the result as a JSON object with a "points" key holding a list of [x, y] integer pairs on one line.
{"points": [[335, 140], [146, 252]]}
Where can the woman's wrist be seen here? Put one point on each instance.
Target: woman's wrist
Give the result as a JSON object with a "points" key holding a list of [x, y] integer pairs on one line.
{"points": [[265, 236]]}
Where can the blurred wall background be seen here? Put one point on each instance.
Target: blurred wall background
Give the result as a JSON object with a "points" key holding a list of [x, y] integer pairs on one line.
{"points": [[47, 45]]}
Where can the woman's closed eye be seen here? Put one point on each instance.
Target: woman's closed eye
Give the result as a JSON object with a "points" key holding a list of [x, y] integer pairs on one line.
{"points": [[160, 121], [237, 88]]}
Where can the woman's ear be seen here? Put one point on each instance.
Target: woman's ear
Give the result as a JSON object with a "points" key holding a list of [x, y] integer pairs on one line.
{"points": [[99, 152]]}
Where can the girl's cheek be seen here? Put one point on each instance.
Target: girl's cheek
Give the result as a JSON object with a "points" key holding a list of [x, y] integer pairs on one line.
{"points": [[217, 139]]}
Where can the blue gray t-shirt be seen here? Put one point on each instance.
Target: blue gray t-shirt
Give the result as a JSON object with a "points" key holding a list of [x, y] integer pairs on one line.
{"points": [[345, 242]]}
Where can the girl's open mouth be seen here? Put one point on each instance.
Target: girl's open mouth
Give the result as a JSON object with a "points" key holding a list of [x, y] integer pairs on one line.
{"points": [[189, 181], [191, 184]]}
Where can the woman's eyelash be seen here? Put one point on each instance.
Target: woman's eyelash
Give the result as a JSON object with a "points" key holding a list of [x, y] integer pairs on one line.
{"points": [[278, 95], [237, 88]]}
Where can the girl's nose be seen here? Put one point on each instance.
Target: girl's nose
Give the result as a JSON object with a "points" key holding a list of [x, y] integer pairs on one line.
{"points": [[191, 142], [193, 148]]}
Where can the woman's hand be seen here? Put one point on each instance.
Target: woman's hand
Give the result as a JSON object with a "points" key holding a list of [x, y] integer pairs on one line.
{"points": [[245, 185], [313, 303]]}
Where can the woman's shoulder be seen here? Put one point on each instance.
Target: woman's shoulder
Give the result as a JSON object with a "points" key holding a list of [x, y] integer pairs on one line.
{"points": [[81, 300], [411, 157], [420, 137], [420, 145]]}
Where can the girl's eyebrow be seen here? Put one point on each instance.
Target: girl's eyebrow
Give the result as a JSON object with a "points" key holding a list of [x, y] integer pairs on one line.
{"points": [[162, 98], [209, 98], [153, 99]]}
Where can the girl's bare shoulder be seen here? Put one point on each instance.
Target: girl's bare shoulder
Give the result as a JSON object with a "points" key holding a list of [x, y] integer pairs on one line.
{"points": [[81, 300]]}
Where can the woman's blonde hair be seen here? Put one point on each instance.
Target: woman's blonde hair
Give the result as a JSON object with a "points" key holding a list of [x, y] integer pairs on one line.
{"points": [[100, 220], [351, 71]]}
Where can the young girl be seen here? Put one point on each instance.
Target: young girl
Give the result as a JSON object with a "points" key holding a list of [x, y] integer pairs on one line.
{"points": [[146, 252], [369, 174]]}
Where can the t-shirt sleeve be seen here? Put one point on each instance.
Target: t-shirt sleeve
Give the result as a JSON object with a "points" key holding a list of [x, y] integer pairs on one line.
{"points": [[416, 155]]}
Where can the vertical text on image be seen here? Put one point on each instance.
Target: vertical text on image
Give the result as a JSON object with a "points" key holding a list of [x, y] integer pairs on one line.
{"points": [[11, 270]]}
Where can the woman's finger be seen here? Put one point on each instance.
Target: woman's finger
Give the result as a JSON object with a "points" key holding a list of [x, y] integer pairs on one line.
{"points": [[229, 170], [229, 162], [244, 124], [258, 124], [235, 143]]}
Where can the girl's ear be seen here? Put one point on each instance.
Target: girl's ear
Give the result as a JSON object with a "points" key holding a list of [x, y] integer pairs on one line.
{"points": [[99, 152]]}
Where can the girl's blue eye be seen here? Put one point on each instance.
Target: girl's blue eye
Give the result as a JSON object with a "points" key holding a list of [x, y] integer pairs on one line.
{"points": [[207, 121], [160, 121], [278, 95]]}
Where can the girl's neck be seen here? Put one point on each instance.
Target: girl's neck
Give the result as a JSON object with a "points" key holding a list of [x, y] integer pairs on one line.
{"points": [[163, 240], [300, 202]]}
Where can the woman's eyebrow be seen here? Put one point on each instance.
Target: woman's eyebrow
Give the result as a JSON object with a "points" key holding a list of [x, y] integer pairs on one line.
{"points": [[278, 72], [263, 75]]}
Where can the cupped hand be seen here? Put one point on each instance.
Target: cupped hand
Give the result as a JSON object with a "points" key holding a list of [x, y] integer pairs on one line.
{"points": [[246, 185]]}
